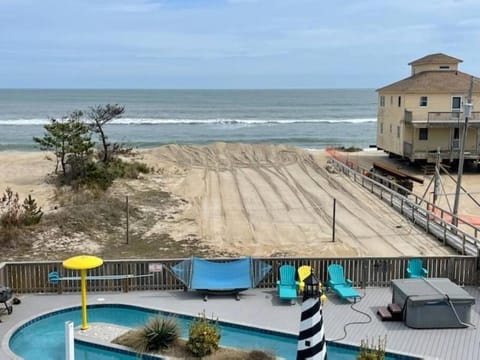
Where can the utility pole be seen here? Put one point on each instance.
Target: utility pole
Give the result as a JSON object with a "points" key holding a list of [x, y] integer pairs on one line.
{"points": [[467, 110], [436, 183]]}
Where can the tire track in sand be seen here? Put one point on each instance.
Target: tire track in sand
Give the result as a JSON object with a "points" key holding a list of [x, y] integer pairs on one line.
{"points": [[264, 199]]}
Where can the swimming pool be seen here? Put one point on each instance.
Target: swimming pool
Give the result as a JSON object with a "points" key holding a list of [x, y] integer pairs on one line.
{"points": [[45, 335]]}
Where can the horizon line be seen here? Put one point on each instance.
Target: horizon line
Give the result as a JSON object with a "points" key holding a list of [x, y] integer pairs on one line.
{"points": [[186, 89]]}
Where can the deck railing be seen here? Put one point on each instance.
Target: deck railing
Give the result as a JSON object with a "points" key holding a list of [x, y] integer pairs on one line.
{"points": [[32, 277], [465, 238], [453, 116], [444, 118]]}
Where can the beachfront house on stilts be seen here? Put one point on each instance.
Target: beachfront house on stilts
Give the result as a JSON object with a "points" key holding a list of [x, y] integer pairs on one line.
{"points": [[420, 118]]}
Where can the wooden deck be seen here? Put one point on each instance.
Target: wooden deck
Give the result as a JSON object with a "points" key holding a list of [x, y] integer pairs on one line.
{"points": [[428, 343]]}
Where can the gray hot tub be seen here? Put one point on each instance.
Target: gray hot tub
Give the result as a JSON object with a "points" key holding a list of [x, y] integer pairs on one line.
{"points": [[430, 303]]}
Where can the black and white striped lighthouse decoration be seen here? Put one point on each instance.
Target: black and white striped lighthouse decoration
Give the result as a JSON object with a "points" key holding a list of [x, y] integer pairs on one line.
{"points": [[311, 337]]}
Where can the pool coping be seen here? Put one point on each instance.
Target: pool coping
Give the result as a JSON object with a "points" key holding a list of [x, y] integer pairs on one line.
{"points": [[98, 342], [8, 335], [78, 337], [95, 341], [37, 317]]}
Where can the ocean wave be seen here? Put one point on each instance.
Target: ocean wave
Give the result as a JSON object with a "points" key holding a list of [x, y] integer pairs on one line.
{"points": [[153, 121]]}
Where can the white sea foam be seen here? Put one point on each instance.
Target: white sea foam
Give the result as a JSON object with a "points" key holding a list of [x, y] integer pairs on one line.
{"points": [[153, 121], [24, 122]]}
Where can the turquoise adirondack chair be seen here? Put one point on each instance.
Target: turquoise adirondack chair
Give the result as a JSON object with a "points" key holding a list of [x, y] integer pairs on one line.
{"points": [[415, 269], [287, 285], [341, 286]]}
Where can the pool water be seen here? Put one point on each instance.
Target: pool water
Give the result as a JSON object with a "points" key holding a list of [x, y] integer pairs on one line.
{"points": [[45, 335]]}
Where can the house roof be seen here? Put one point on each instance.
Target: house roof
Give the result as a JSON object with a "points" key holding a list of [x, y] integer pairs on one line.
{"points": [[434, 82], [438, 58]]}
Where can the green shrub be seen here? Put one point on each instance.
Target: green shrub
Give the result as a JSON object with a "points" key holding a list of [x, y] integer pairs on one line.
{"points": [[12, 214], [136, 168], [370, 351], [157, 334], [203, 336], [32, 214], [100, 175]]}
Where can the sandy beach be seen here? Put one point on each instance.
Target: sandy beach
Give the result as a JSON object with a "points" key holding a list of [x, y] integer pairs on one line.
{"points": [[260, 200]]}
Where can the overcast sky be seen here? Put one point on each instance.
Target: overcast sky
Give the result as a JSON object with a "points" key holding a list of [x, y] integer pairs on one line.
{"points": [[229, 43]]}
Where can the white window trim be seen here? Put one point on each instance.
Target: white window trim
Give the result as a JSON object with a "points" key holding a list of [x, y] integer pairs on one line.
{"points": [[451, 103], [420, 101]]}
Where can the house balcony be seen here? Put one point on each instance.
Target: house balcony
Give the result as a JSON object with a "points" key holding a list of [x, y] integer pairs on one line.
{"points": [[441, 119]]}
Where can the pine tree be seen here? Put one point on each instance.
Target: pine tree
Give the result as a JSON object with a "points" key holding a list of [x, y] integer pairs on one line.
{"points": [[32, 214], [69, 139], [100, 116]]}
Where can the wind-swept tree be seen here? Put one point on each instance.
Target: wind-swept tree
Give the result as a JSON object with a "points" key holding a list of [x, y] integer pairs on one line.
{"points": [[99, 116], [69, 139]]}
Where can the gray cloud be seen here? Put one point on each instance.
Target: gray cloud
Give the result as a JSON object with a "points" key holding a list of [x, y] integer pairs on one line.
{"points": [[355, 43]]}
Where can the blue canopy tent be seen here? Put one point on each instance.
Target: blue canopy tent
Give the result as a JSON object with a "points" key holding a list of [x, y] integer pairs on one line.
{"points": [[230, 276]]}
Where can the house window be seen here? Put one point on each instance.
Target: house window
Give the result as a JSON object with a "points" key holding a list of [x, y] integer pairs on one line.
{"points": [[423, 101], [423, 134], [399, 101], [391, 100], [381, 128], [382, 101], [456, 133], [398, 131], [444, 67], [456, 103], [390, 128]]}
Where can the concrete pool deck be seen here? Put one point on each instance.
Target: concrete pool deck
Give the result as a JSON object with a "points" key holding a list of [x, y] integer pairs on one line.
{"points": [[262, 308], [256, 307]]}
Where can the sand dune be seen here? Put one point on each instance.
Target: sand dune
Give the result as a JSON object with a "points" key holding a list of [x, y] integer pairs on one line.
{"points": [[261, 200], [272, 200]]}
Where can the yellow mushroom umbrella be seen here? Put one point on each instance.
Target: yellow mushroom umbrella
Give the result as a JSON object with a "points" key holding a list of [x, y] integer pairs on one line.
{"points": [[83, 263]]}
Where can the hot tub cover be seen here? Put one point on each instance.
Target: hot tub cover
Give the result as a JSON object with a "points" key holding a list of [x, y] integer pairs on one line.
{"points": [[430, 289]]}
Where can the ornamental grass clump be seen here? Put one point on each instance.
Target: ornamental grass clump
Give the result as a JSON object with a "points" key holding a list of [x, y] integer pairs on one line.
{"points": [[370, 351], [203, 336], [160, 333], [157, 334]]}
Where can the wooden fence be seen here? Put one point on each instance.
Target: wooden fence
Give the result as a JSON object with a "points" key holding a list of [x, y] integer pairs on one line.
{"points": [[32, 277]]}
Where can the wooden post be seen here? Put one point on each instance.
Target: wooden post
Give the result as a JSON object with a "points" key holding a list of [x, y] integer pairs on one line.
{"points": [[333, 225], [59, 284], [128, 215], [451, 269], [125, 281], [364, 279]]}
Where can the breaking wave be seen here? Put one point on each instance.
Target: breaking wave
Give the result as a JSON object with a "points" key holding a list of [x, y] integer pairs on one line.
{"points": [[153, 121]]}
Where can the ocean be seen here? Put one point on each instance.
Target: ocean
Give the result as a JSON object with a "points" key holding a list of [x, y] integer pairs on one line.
{"points": [[311, 119]]}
